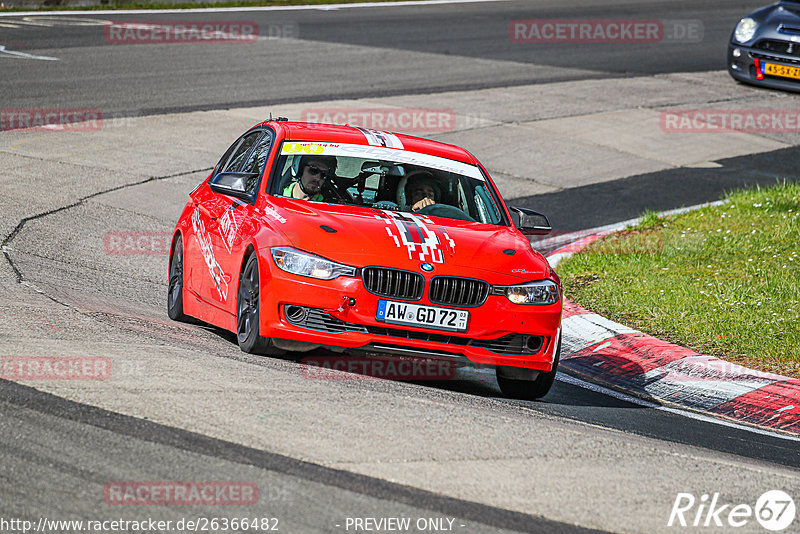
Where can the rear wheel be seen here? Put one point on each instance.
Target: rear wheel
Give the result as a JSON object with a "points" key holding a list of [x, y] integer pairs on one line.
{"points": [[527, 389], [247, 312], [175, 289]]}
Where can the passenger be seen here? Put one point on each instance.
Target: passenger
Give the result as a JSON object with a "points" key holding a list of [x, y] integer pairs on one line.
{"points": [[422, 190], [310, 177]]}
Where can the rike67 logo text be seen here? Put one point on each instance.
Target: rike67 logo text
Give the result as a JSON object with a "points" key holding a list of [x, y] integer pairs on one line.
{"points": [[774, 510]]}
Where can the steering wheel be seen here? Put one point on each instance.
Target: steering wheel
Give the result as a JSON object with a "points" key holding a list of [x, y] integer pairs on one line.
{"points": [[333, 192], [445, 210]]}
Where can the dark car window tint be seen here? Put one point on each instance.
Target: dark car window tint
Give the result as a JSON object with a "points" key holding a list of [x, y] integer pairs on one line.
{"points": [[227, 156], [241, 152], [381, 184], [255, 163]]}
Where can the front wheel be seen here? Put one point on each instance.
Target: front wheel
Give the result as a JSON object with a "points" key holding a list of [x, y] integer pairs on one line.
{"points": [[247, 313], [530, 389], [175, 290]]}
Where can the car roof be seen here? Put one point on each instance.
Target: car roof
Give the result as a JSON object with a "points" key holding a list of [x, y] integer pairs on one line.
{"points": [[334, 133]]}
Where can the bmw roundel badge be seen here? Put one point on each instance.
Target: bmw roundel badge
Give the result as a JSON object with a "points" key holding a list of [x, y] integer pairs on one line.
{"points": [[427, 267]]}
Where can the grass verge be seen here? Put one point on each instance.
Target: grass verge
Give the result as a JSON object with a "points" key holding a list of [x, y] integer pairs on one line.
{"points": [[723, 280], [55, 5]]}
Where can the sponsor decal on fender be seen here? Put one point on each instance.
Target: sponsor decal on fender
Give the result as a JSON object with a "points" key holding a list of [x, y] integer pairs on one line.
{"points": [[204, 240], [274, 214]]}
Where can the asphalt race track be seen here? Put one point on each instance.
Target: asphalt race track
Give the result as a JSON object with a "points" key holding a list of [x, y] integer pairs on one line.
{"points": [[575, 130]]}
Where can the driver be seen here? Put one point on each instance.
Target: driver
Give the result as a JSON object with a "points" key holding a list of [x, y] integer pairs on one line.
{"points": [[312, 173], [422, 191]]}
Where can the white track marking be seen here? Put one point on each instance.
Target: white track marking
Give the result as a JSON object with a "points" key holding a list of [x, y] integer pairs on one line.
{"points": [[569, 379], [327, 7], [23, 55], [684, 413], [49, 21]]}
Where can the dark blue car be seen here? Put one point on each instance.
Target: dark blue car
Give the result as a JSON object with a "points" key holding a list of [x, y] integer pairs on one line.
{"points": [[765, 47]]}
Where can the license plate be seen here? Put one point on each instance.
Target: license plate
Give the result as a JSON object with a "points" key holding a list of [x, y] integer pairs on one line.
{"points": [[409, 314], [782, 70]]}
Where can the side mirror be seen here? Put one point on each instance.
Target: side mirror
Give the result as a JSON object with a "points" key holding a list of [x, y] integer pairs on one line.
{"points": [[532, 222], [233, 184]]}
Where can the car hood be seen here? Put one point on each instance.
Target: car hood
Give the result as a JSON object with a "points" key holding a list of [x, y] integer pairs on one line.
{"points": [[770, 17], [361, 236]]}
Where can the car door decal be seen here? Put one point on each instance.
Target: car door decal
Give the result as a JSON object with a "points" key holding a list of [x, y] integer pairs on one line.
{"points": [[229, 227], [207, 250]]}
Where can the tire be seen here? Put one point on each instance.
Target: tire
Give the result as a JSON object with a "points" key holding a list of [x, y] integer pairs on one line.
{"points": [[175, 288], [247, 312], [529, 389]]}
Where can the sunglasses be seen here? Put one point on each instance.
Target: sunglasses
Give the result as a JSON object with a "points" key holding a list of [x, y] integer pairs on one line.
{"points": [[316, 171]]}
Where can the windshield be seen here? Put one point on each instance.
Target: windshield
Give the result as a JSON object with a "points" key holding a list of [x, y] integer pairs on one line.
{"points": [[387, 179]]}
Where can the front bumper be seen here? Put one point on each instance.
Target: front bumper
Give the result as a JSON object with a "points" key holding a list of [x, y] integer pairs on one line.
{"points": [[341, 312], [745, 65]]}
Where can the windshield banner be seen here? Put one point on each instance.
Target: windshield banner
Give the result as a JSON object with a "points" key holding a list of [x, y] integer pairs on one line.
{"points": [[382, 153]]}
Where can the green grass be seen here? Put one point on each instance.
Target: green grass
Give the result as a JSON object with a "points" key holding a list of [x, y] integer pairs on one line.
{"points": [[723, 280], [56, 5]]}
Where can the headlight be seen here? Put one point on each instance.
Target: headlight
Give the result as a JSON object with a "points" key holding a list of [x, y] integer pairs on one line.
{"points": [[541, 292], [745, 30], [297, 262]]}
